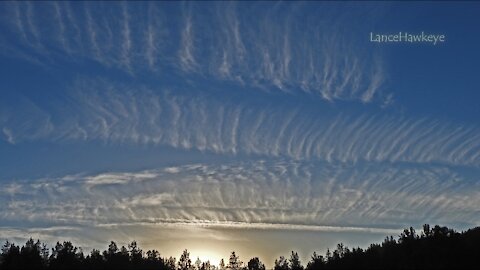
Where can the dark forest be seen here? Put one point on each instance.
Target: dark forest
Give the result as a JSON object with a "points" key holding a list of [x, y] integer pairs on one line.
{"points": [[434, 248]]}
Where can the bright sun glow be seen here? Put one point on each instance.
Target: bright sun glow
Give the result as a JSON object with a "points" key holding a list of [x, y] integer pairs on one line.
{"points": [[206, 255]]}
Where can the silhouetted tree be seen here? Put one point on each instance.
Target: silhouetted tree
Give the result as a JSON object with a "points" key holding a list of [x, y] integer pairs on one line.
{"points": [[317, 262], [184, 263], [10, 258], [426, 230], [153, 255], [116, 258], [95, 260], [154, 261], [65, 256], [221, 265], [170, 263], [435, 248], [110, 253], [255, 264], [295, 263], [328, 255], [408, 235], [281, 264], [123, 256], [234, 262], [206, 266], [197, 264], [136, 254], [30, 254]]}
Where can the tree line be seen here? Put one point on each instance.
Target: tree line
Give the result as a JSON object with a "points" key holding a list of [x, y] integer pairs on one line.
{"points": [[434, 248]]}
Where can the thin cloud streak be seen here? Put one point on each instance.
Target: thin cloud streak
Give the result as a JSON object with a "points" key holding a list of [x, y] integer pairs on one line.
{"points": [[230, 48], [274, 194], [121, 113], [186, 54], [127, 42], [258, 226]]}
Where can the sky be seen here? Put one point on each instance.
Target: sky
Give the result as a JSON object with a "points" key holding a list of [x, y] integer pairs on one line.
{"points": [[256, 127]]}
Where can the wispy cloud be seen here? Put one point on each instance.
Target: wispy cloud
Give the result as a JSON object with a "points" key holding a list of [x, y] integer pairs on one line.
{"points": [[260, 226], [226, 46], [32, 25], [47, 234], [112, 179], [8, 135], [123, 113], [19, 21], [261, 194], [127, 42], [91, 30], [186, 52], [154, 33]]}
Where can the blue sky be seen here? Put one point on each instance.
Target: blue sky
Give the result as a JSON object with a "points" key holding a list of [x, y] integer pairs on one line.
{"points": [[220, 126]]}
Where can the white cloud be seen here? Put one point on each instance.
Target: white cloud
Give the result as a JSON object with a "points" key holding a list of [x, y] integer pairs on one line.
{"points": [[220, 43], [11, 189], [19, 21], [127, 42], [131, 113], [91, 30], [261, 194], [172, 169], [118, 178], [8, 135], [186, 52], [61, 26]]}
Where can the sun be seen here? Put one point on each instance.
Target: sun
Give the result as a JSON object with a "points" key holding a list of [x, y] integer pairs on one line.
{"points": [[205, 255]]}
